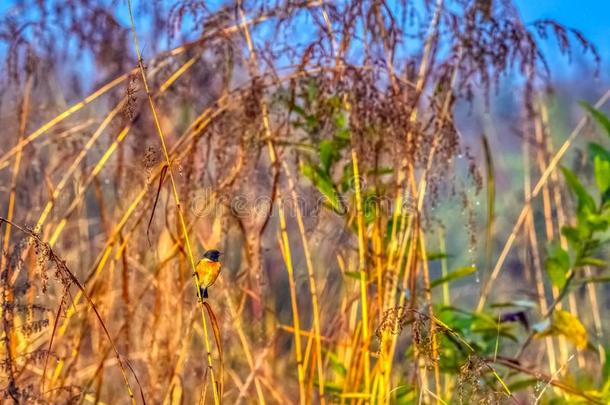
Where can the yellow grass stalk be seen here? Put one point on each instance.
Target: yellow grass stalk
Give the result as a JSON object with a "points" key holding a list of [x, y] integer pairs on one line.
{"points": [[407, 248], [352, 381], [549, 229], [81, 194], [432, 327], [177, 200], [244, 342], [448, 378], [274, 162], [76, 163], [362, 271], [169, 398], [533, 241], [313, 289], [23, 119], [102, 258], [307, 355], [108, 153], [73, 280], [591, 287], [115, 235], [421, 192], [377, 238], [561, 222], [393, 247], [287, 256], [65, 114]]}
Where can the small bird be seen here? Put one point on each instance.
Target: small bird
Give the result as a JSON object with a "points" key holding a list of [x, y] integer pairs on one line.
{"points": [[207, 271]]}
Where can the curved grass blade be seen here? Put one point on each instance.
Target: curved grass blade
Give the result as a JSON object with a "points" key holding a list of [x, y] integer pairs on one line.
{"points": [[152, 213]]}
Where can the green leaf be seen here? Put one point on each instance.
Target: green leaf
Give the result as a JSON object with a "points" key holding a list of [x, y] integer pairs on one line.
{"points": [[572, 235], [341, 122], [430, 256], [403, 395], [353, 274], [312, 123], [337, 365], [595, 149], [312, 91], [606, 370], [299, 110], [330, 387], [566, 324], [323, 183], [592, 261], [380, 171], [390, 225], [347, 177], [459, 273], [327, 155], [503, 331], [557, 265], [584, 198], [596, 221], [523, 384], [596, 280], [601, 118], [602, 174], [370, 207]]}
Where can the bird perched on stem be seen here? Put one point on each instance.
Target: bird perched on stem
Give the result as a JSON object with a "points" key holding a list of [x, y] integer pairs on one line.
{"points": [[207, 271]]}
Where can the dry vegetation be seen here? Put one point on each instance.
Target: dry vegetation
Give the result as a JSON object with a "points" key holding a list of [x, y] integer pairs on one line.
{"points": [[313, 143]]}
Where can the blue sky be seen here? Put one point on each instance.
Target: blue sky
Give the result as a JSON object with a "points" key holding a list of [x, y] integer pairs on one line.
{"points": [[591, 17]]}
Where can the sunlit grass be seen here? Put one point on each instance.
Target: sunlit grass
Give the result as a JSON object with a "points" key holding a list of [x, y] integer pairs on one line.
{"points": [[316, 151]]}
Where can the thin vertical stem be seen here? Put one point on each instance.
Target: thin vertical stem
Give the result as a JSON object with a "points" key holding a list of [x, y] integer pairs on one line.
{"points": [[432, 327], [313, 288], [361, 269], [177, 201], [286, 254], [533, 242]]}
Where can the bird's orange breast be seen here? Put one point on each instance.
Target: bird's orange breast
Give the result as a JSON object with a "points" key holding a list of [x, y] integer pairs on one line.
{"points": [[208, 271]]}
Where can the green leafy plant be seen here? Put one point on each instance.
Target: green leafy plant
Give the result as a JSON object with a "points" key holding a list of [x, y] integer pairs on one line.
{"points": [[587, 237]]}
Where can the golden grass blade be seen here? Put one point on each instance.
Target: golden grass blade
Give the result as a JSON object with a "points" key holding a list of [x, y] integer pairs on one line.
{"points": [[362, 270], [63, 268], [313, 288], [177, 200], [152, 212], [216, 331], [76, 163], [23, 119], [287, 256], [50, 124], [46, 360]]}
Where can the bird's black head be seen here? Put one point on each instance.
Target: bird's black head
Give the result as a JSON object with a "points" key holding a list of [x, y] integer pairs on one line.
{"points": [[213, 255]]}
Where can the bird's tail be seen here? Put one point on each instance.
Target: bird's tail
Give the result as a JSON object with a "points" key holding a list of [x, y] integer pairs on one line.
{"points": [[204, 292]]}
